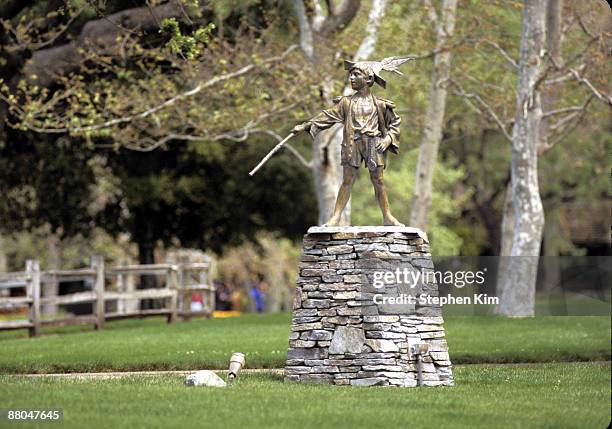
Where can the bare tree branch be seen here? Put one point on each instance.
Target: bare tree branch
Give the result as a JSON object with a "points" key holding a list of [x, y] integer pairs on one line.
{"points": [[21, 45], [568, 109], [565, 77], [435, 51], [125, 119], [340, 16], [46, 64], [366, 48], [569, 23], [376, 15], [319, 16], [491, 113], [583, 80], [504, 54], [565, 126], [243, 132], [481, 83], [149, 145], [561, 123], [306, 40], [432, 14], [578, 55], [583, 27], [558, 64]]}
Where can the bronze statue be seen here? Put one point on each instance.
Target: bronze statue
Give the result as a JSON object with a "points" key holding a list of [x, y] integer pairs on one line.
{"points": [[371, 129]]}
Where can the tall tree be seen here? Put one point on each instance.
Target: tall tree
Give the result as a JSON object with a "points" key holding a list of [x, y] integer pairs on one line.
{"points": [[364, 52], [518, 286], [554, 38], [153, 88], [204, 200], [444, 25], [316, 32], [3, 264], [522, 302]]}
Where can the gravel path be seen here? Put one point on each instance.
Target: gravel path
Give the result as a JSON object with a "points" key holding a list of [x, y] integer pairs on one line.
{"points": [[276, 371]]}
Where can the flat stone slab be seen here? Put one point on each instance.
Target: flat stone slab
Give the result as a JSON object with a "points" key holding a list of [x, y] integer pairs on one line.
{"points": [[366, 229], [205, 378]]}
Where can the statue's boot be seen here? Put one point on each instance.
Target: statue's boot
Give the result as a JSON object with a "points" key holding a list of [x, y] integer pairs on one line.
{"points": [[333, 221], [389, 220]]}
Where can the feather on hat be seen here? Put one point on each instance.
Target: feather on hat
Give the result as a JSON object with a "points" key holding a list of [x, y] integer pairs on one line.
{"points": [[389, 64]]}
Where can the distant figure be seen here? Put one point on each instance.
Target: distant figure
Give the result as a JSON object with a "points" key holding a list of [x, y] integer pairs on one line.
{"points": [[197, 302], [223, 296], [258, 293]]}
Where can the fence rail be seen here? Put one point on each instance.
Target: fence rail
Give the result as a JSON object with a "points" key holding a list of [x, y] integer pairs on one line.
{"points": [[105, 286]]}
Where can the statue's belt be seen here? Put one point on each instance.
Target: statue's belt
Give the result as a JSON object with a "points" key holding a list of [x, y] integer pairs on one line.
{"points": [[359, 136]]}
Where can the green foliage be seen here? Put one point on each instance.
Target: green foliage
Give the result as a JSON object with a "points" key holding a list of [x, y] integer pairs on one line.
{"points": [[399, 181], [537, 397], [206, 201], [224, 8], [204, 179], [187, 46], [273, 258], [71, 252], [45, 182], [152, 344]]}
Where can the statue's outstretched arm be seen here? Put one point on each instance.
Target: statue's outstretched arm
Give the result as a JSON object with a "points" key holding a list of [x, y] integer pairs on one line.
{"points": [[323, 120]]}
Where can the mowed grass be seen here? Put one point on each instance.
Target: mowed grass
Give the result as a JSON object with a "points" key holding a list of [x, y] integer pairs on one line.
{"points": [[561, 395], [151, 344]]}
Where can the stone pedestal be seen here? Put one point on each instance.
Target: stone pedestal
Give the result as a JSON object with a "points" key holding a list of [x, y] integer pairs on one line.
{"points": [[354, 321]]}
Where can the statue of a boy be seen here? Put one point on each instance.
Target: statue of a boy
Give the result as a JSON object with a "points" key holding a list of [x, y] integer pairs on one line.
{"points": [[371, 129]]}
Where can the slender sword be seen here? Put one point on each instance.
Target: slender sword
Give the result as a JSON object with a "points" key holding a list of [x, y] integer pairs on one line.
{"points": [[272, 152]]}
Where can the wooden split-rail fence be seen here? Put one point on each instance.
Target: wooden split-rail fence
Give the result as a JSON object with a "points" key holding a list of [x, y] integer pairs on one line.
{"points": [[104, 285]]}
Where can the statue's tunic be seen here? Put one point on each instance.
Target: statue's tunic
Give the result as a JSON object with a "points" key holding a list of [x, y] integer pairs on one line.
{"points": [[365, 121]]}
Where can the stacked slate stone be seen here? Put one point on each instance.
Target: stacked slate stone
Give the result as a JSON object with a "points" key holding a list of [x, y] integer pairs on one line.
{"points": [[340, 335]]}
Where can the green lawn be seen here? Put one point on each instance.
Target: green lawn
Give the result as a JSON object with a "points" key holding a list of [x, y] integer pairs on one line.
{"points": [[562, 395], [152, 344]]}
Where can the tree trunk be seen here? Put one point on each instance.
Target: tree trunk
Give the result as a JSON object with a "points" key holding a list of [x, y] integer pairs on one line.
{"points": [[507, 225], [327, 171], [49, 63], [434, 121], [554, 9], [146, 255], [3, 264], [554, 39], [328, 149], [554, 35], [551, 268], [491, 224], [505, 247], [101, 33], [517, 282]]}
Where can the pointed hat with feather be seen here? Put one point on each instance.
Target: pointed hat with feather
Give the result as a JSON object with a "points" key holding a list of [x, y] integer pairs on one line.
{"points": [[389, 64]]}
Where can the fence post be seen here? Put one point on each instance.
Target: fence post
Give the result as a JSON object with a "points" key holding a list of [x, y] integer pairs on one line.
{"points": [[172, 284], [97, 263], [120, 289], [33, 291], [211, 292], [184, 303]]}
